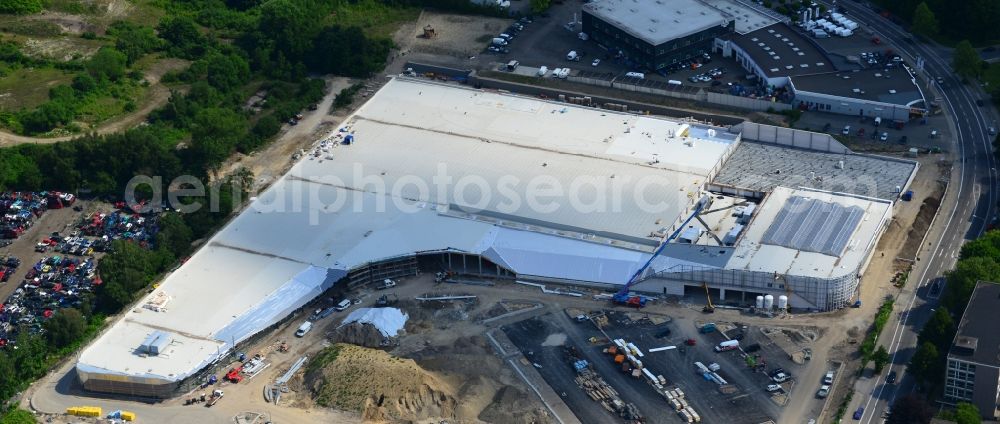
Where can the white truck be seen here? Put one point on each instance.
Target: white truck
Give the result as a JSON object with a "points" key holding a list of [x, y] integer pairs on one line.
{"points": [[727, 345], [303, 329], [572, 55], [386, 284]]}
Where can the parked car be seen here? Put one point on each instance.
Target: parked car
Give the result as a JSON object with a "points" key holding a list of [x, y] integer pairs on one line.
{"points": [[823, 391], [828, 378], [595, 62], [773, 387], [884, 136], [781, 377], [859, 413]]}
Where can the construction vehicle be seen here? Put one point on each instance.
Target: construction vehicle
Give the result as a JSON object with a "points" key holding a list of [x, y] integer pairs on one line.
{"points": [[384, 300], [233, 376], [216, 395], [709, 307], [443, 276]]}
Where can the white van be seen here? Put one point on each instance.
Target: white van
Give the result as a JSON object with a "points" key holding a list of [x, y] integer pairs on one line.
{"points": [[878, 120], [303, 329], [572, 55], [344, 304], [847, 130]]}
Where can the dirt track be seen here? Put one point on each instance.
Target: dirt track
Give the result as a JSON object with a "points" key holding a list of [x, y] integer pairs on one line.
{"points": [[157, 96]]}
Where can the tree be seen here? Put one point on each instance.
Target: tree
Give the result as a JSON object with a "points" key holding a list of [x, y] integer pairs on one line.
{"points": [[107, 64], [966, 60], [910, 409], [967, 413], [881, 358], [20, 7], [267, 126], [940, 329], [174, 234], [924, 21], [226, 71], [962, 280], [539, 6], [133, 40], [182, 34], [65, 328], [925, 363]]}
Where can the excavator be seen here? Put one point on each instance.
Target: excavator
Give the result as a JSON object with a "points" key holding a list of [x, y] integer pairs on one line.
{"points": [[709, 307]]}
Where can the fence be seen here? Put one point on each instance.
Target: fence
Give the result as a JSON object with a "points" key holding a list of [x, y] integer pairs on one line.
{"points": [[746, 102], [791, 138]]}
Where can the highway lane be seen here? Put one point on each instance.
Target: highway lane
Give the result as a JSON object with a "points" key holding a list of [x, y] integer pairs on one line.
{"points": [[966, 212]]}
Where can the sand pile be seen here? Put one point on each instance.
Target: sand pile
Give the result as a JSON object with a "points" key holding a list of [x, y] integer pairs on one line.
{"points": [[382, 387]]}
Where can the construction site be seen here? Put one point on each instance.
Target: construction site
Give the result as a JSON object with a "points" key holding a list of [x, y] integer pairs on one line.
{"points": [[512, 305]]}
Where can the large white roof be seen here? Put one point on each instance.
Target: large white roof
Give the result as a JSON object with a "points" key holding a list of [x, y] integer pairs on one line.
{"points": [[753, 255], [320, 220], [657, 21]]}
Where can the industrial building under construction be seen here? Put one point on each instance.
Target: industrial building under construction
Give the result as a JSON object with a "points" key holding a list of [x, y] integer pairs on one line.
{"points": [[437, 177]]}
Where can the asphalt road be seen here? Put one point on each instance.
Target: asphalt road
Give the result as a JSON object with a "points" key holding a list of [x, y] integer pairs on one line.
{"points": [[967, 210]]}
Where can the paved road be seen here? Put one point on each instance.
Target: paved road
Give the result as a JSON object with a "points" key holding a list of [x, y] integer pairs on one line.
{"points": [[966, 211]]}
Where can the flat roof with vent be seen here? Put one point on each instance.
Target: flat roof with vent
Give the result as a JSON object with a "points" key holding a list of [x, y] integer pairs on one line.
{"points": [[747, 16], [782, 52], [977, 339], [886, 85], [785, 235], [657, 21]]}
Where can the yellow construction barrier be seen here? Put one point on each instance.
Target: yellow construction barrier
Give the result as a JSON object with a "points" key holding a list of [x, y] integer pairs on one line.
{"points": [[128, 416], [85, 411]]}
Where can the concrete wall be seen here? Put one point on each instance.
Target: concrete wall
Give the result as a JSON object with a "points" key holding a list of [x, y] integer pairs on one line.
{"points": [[696, 95], [789, 137], [746, 102]]}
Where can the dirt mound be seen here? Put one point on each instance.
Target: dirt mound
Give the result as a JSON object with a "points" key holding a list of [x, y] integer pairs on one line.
{"points": [[511, 405], [361, 334], [382, 387]]}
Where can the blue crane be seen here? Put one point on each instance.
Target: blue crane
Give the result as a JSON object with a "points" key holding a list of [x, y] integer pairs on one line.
{"points": [[623, 297]]}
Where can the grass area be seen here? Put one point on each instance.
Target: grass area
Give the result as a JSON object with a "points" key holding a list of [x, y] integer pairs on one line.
{"points": [[75, 7], [31, 27], [29, 87], [324, 357], [375, 18], [991, 77]]}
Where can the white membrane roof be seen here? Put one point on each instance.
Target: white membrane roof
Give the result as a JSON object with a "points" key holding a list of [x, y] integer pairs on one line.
{"points": [[752, 254]]}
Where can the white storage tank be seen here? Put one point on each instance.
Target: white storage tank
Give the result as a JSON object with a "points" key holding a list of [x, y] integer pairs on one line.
{"points": [[782, 302], [768, 302], [760, 302]]}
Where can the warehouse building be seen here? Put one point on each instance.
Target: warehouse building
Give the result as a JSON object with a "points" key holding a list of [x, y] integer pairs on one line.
{"points": [[779, 56], [582, 196], [888, 93], [654, 34]]}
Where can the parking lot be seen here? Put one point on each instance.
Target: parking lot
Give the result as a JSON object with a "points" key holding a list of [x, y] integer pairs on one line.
{"points": [[547, 40], [744, 400]]}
